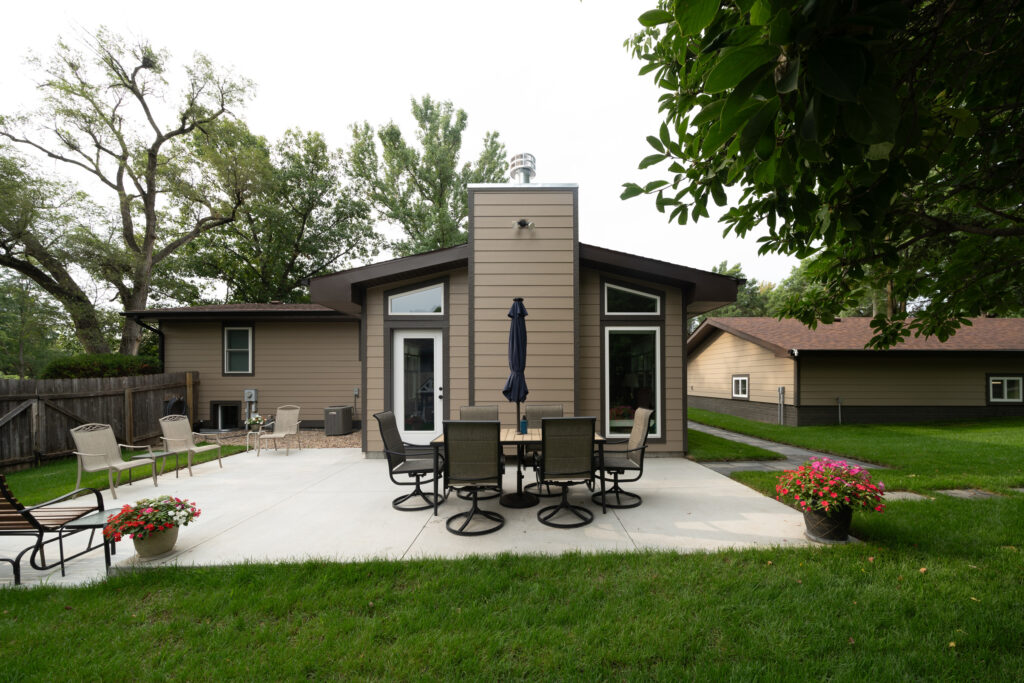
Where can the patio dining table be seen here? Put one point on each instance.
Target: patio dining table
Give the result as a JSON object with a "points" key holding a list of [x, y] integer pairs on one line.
{"points": [[510, 436]]}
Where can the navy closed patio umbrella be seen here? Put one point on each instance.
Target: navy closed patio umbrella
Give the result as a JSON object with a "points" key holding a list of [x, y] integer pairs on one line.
{"points": [[515, 387]]}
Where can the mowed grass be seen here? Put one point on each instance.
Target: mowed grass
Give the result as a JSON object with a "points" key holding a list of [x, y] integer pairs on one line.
{"points": [[921, 457], [707, 448], [54, 479], [931, 592]]}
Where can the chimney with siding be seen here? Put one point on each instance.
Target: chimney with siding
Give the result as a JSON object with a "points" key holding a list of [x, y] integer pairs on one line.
{"points": [[523, 242]]}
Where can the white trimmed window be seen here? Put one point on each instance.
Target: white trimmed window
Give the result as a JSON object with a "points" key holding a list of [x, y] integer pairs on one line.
{"points": [[238, 351], [741, 386], [1005, 389], [619, 300], [632, 370], [422, 301]]}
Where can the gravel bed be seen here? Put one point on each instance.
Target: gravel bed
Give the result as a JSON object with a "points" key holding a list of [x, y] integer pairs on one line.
{"points": [[310, 439]]}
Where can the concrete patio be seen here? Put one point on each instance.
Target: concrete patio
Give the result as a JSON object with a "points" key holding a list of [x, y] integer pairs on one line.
{"points": [[335, 504]]}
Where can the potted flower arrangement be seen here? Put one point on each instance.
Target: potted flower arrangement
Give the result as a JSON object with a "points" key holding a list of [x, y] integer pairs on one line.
{"points": [[827, 492], [255, 421], [152, 523]]}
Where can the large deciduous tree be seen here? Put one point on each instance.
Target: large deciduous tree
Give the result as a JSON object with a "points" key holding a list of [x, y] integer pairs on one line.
{"points": [[884, 135], [108, 113], [303, 221], [422, 189]]}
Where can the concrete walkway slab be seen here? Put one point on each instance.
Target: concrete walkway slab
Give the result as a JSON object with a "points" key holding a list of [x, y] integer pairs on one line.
{"points": [[335, 504]]}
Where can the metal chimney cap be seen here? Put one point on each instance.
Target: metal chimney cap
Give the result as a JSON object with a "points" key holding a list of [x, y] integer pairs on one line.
{"points": [[522, 167]]}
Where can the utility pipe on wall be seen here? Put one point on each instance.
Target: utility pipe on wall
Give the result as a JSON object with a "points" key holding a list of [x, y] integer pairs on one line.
{"points": [[782, 405], [839, 407]]}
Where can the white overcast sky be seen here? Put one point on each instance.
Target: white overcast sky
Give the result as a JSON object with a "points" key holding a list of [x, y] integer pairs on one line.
{"points": [[551, 76]]}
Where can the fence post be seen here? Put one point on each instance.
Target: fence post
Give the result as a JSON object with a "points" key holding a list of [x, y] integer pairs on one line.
{"points": [[129, 418], [37, 447], [190, 399]]}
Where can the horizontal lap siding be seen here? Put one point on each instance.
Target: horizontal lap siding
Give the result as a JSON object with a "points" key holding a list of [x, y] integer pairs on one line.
{"points": [[313, 365], [711, 370], [891, 379], [536, 264]]}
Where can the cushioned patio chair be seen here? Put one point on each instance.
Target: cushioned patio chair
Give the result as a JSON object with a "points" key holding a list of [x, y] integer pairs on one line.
{"points": [[44, 518], [566, 459], [406, 460], [617, 462], [98, 450], [286, 423], [179, 438], [473, 463]]}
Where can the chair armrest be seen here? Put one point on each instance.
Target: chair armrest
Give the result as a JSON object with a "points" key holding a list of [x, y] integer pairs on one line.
{"points": [[69, 496], [123, 446], [97, 460]]}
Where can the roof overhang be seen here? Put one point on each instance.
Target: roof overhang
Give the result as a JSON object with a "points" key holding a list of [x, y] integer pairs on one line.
{"points": [[344, 291], [194, 315], [704, 291]]}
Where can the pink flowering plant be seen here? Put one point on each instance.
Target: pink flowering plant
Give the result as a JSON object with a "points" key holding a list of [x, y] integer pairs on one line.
{"points": [[827, 485], [149, 516]]}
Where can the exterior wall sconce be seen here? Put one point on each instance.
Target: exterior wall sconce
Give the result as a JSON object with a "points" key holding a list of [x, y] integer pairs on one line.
{"points": [[525, 223]]}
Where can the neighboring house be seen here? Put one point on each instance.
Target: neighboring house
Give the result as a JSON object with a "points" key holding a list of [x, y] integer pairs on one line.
{"points": [[428, 333], [759, 368], [289, 353]]}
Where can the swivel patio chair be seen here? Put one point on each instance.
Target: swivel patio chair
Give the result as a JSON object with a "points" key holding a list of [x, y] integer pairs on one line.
{"points": [[44, 518], [179, 438], [97, 450], [408, 460], [473, 463], [566, 459], [286, 423], [487, 412], [534, 414], [617, 462]]}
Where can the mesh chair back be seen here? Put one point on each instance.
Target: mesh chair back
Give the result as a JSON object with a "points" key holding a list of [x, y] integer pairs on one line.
{"points": [[472, 452], [478, 412], [286, 421], [390, 435], [568, 447], [638, 435], [97, 439], [177, 432], [536, 413]]}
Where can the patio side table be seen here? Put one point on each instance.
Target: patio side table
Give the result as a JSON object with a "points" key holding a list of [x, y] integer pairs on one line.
{"points": [[97, 520]]}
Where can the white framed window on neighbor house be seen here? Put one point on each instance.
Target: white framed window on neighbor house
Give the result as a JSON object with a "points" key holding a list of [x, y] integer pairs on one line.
{"points": [[1006, 389], [238, 356], [423, 301], [741, 386]]}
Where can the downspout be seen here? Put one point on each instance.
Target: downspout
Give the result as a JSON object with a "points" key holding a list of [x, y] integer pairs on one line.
{"points": [[160, 338]]}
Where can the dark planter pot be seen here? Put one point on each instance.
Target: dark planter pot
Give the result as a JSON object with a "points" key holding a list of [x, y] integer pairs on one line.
{"points": [[831, 527]]}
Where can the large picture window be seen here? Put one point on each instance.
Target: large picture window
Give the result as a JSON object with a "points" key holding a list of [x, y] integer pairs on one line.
{"points": [[632, 377], [238, 351], [1005, 389], [422, 301]]}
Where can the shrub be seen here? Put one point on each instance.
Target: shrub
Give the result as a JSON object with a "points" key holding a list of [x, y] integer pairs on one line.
{"points": [[101, 365]]}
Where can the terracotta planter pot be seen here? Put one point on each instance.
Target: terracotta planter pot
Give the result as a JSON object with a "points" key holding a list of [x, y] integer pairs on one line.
{"points": [[832, 526], [156, 544]]}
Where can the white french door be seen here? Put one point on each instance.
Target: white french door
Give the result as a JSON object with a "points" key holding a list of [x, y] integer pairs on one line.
{"points": [[418, 374]]}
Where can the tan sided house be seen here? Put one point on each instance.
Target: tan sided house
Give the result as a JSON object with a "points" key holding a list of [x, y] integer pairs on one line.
{"points": [[426, 334], [781, 371]]}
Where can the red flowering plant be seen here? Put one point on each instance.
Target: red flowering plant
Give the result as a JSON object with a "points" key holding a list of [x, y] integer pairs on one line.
{"points": [[149, 516], [828, 485]]}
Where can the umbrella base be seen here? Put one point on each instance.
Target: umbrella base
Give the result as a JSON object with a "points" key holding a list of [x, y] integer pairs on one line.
{"points": [[519, 500]]}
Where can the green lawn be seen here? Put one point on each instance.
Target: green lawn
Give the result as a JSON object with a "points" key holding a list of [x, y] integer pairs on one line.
{"points": [[933, 591], [922, 457], [708, 448]]}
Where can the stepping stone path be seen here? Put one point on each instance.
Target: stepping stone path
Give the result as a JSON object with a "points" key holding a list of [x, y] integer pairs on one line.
{"points": [[973, 494], [904, 495]]}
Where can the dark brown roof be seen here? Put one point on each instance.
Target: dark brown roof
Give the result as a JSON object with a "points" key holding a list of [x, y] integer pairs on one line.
{"points": [[852, 334], [343, 290], [237, 311]]}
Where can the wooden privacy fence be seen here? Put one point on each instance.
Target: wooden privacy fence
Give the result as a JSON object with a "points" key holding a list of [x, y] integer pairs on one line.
{"points": [[36, 415]]}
